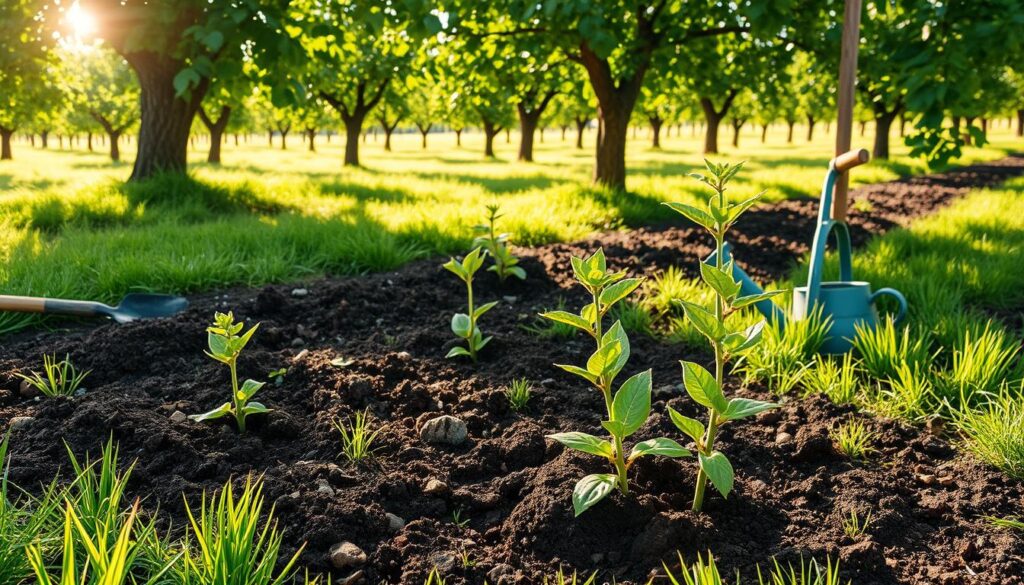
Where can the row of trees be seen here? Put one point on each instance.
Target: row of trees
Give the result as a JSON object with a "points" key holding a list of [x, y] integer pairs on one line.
{"points": [[301, 65]]}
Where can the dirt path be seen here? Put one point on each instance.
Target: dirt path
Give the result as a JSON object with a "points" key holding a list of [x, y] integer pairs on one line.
{"points": [[513, 485]]}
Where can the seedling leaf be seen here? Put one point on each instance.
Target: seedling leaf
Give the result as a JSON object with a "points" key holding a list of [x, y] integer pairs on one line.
{"points": [[660, 446], [632, 403], [591, 490], [702, 387], [690, 427], [718, 469], [586, 443]]}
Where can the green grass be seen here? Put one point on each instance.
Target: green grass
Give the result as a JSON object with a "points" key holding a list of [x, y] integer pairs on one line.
{"points": [[69, 227]]}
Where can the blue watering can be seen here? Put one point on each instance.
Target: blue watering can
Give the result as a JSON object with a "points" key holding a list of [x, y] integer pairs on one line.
{"points": [[845, 302]]}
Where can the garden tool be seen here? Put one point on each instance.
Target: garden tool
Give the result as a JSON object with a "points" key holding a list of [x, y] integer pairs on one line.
{"points": [[131, 308]]}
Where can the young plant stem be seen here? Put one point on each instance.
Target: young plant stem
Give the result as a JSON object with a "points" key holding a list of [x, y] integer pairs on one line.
{"points": [[497, 257], [239, 415], [606, 390], [472, 319], [708, 446]]}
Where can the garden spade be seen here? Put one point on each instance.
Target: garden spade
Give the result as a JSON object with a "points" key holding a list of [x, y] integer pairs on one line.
{"points": [[132, 307]]}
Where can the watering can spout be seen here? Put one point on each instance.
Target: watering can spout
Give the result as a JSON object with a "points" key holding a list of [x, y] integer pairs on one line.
{"points": [[770, 310]]}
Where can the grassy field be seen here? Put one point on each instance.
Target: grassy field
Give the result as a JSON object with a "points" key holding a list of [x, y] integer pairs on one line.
{"points": [[70, 227]]}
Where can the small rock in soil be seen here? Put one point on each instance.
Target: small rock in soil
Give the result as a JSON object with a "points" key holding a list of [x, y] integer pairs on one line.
{"points": [[769, 417], [300, 356], [404, 356], [298, 342], [346, 554], [395, 523], [27, 390], [300, 292], [20, 422], [178, 417], [435, 487], [500, 570], [783, 438], [866, 554], [445, 429]]}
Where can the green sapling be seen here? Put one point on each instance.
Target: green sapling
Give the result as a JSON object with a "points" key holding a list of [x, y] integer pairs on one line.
{"points": [[225, 346], [464, 325]]}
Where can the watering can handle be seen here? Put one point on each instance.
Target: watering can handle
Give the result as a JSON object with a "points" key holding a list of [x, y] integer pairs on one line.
{"points": [[899, 299], [849, 160]]}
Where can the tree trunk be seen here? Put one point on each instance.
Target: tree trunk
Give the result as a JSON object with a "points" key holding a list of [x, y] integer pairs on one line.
{"points": [[903, 124], [863, 128], [283, 131], [88, 141], [5, 143], [354, 117], [353, 128], [115, 149], [44, 136], [968, 139], [984, 125], [490, 131], [508, 136], [564, 130], [883, 123], [458, 137], [736, 126], [714, 118], [1020, 122], [529, 117], [581, 125], [764, 133], [810, 127], [387, 137], [311, 136], [166, 119], [656, 123], [424, 130]]}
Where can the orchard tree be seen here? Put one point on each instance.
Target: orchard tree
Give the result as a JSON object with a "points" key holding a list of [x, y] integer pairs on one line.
{"points": [[393, 109], [177, 48], [742, 110], [99, 82], [425, 96], [574, 106], [616, 42], [355, 50], [814, 87], [483, 90], [27, 71], [657, 105]]}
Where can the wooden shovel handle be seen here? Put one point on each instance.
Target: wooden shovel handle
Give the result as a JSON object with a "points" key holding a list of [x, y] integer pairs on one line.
{"points": [[848, 160], [22, 304]]}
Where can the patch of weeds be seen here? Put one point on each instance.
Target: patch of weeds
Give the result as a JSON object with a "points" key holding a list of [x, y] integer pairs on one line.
{"points": [[459, 517], [837, 378], [357, 437], [560, 578], [884, 348], [855, 526], [909, 395], [785, 353], [519, 392], [995, 431], [556, 330], [853, 439], [811, 573], [635, 318], [1008, 522], [982, 363], [58, 378]]}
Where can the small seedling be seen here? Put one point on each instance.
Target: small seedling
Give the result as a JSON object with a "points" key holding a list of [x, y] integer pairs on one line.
{"points": [[496, 246], [225, 346], [854, 525], [630, 406], [519, 393], [278, 376], [810, 573], [468, 562], [458, 517], [560, 578], [701, 572], [357, 437], [434, 578], [707, 389], [1009, 522], [854, 439], [464, 325], [61, 378]]}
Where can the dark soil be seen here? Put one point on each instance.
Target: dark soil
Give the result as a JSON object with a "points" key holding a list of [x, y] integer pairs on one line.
{"points": [[928, 502]]}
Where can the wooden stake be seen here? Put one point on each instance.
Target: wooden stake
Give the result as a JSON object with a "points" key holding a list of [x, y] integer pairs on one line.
{"points": [[845, 102]]}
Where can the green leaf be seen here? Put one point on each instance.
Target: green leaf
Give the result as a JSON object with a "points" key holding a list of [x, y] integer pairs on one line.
{"points": [[579, 372], [690, 427], [479, 343], [473, 261], [585, 443], [632, 403], [617, 333], [695, 215], [660, 446], [704, 321], [517, 272], [604, 359], [702, 387], [748, 300], [614, 427], [743, 340], [462, 325], [185, 80], [221, 411], [589, 313], [214, 40], [218, 345], [453, 266], [618, 291], [569, 319], [591, 490], [254, 408], [721, 281], [249, 389], [736, 210], [718, 469], [743, 407], [458, 351], [483, 309]]}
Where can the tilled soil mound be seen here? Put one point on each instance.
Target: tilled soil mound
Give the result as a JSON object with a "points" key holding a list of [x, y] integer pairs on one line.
{"points": [[509, 487]]}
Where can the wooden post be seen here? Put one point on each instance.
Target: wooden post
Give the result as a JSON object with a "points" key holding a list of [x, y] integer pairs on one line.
{"points": [[845, 102]]}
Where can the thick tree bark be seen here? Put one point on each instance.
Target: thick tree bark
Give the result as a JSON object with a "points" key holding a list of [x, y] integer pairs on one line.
{"points": [[166, 118], [424, 130], [581, 125], [656, 123], [217, 128], [810, 127], [490, 131], [883, 124], [353, 117], [5, 143], [529, 117], [714, 118]]}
